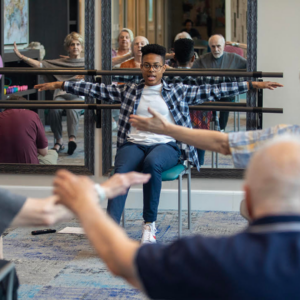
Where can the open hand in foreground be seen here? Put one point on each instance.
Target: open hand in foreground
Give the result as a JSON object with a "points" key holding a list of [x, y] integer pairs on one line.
{"points": [[156, 124], [76, 191]]}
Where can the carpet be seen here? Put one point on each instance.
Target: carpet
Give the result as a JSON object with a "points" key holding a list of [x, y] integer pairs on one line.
{"points": [[64, 266]]}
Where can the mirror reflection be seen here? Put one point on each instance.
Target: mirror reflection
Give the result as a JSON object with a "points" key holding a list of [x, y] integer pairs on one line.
{"points": [[43, 136], [204, 22]]}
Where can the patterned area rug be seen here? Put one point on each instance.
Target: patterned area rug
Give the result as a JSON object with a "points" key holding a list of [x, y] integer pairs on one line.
{"points": [[64, 266]]}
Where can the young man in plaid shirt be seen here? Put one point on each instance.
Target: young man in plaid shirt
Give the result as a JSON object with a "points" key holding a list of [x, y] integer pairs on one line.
{"points": [[144, 151]]}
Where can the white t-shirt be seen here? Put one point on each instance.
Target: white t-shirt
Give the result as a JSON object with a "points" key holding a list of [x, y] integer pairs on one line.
{"points": [[151, 97]]}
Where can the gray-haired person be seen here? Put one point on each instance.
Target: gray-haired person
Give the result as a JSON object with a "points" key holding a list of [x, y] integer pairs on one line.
{"points": [[74, 44], [218, 59]]}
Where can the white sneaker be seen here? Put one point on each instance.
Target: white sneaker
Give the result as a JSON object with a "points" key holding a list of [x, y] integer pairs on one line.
{"points": [[149, 231]]}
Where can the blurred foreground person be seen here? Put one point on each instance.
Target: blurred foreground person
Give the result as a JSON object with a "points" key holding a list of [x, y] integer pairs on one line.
{"points": [[261, 262]]}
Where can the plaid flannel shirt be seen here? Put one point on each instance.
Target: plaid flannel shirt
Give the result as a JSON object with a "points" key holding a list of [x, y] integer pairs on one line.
{"points": [[243, 144], [178, 97]]}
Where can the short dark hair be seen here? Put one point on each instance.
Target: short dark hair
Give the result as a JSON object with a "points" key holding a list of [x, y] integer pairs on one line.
{"points": [[154, 49], [184, 50], [188, 21]]}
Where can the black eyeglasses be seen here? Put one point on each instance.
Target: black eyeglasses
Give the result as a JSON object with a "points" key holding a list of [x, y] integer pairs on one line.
{"points": [[147, 66]]}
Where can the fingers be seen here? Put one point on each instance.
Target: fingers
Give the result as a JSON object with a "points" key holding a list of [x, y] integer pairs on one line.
{"points": [[39, 86], [54, 199], [153, 112], [137, 178], [138, 122], [42, 87]]}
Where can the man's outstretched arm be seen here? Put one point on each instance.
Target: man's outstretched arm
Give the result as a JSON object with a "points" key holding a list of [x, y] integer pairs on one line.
{"points": [[109, 239], [202, 139], [108, 93]]}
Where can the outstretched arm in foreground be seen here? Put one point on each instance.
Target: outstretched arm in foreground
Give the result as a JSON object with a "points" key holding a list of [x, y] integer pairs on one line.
{"points": [[109, 240], [41, 212], [202, 139]]}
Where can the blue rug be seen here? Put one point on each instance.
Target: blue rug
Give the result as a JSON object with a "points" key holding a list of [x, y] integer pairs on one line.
{"points": [[64, 266]]}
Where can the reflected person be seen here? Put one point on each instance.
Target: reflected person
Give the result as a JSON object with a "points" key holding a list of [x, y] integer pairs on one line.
{"points": [[74, 44], [218, 59], [22, 137], [136, 48], [124, 52]]}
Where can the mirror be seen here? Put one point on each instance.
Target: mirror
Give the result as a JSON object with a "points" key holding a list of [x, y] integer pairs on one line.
{"points": [[200, 15], [50, 26]]}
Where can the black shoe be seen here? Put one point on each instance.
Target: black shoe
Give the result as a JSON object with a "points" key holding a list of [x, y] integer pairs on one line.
{"points": [[61, 147], [71, 147]]}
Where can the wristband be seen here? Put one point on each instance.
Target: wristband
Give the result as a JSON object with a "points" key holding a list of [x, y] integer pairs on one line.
{"points": [[250, 85], [63, 86], [101, 192]]}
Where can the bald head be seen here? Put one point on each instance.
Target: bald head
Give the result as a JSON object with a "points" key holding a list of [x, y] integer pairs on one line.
{"points": [[217, 44], [272, 183]]}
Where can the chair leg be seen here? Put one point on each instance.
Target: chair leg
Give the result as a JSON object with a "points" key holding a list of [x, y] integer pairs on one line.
{"points": [[189, 197], [123, 218], [179, 205]]}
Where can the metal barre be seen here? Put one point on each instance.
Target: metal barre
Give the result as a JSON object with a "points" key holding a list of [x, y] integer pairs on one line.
{"points": [[109, 106], [115, 106], [197, 72]]}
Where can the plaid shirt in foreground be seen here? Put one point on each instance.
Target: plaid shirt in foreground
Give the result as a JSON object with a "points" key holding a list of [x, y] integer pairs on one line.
{"points": [[244, 143], [178, 97]]}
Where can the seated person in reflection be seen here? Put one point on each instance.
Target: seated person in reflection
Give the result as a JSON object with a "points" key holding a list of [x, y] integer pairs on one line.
{"points": [[136, 47], [23, 139], [185, 57], [218, 59], [188, 27], [141, 150], [260, 262], [182, 35], [74, 44], [124, 52]]}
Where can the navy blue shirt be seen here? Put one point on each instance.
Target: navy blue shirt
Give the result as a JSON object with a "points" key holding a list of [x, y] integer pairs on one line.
{"points": [[262, 262]]}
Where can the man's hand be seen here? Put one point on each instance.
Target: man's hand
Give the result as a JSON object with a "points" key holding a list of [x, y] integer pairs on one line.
{"points": [[74, 191], [49, 86], [118, 184], [266, 85], [156, 124]]}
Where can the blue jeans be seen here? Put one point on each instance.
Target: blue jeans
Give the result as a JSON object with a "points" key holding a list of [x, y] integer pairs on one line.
{"points": [[201, 154], [146, 159]]}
